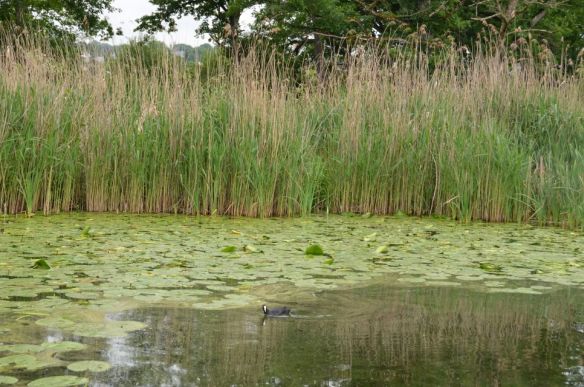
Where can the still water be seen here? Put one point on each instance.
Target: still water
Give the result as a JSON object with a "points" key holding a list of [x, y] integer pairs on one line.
{"points": [[378, 335], [102, 300]]}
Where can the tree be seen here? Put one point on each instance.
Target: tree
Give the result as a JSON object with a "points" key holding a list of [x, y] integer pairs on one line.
{"points": [[316, 28], [192, 54], [220, 18], [559, 22], [58, 17], [146, 56], [555, 22], [311, 27]]}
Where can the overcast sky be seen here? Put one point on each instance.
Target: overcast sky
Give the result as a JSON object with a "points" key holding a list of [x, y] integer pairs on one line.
{"points": [[130, 10]]}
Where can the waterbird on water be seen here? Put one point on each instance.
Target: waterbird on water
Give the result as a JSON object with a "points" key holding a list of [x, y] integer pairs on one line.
{"points": [[283, 311]]}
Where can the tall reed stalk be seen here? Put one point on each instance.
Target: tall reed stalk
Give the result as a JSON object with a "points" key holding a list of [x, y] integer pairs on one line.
{"points": [[485, 138]]}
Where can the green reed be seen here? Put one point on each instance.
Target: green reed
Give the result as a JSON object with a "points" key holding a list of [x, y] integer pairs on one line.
{"points": [[480, 139]]}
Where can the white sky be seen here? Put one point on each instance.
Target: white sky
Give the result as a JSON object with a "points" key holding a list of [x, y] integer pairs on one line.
{"points": [[130, 10]]}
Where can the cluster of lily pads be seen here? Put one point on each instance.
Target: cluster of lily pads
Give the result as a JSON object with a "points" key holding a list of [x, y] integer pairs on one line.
{"points": [[55, 269], [30, 357], [97, 260]]}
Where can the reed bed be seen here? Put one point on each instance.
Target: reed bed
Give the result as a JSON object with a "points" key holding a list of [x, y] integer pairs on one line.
{"points": [[484, 138]]}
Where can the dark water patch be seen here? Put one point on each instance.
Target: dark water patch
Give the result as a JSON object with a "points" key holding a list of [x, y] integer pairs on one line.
{"points": [[368, 336]]}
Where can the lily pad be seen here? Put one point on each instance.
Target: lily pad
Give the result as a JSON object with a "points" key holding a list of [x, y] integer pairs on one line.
{"points": [[250, 249], [55, 322], [64, 346], [41, 264], [514, 290], [82, 295], [382, 249], [7, 380], [314, 250], [370, 238], [108, 329], [21, 348], [59, 381], [27, 362], [490, 267], [89, 365]]}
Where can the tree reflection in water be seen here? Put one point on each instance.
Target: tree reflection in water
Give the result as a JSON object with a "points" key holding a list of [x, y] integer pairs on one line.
{"points": [[376, 335]]}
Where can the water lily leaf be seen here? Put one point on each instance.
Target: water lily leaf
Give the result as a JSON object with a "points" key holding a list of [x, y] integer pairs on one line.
{"points": [[7, 380], [490, 267], [16, 361], [55, 322], [59, 381], [89, 365], [108, 329], [82, 295], [382, 250], [228, 249], [442, 283], [370, 237], [250, 249], [27, 362], [64, 346], [87, 232], [414, 280], [514, 290], [41, 264], [21, 348], [314, 250]]}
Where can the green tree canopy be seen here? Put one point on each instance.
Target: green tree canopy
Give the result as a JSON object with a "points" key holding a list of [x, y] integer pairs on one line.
{"points": [[59, 17], [560, 23], [310, 24], [315, 27], [220, 18]]}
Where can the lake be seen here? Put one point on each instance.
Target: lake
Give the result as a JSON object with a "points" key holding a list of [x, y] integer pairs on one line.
{"points": [[174, 300]]}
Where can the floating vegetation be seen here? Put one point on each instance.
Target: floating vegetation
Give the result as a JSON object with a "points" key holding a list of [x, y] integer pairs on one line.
{"points": [[314, 250], [250, 249], [88, 329], [491, 267], [7, 380], [173, 260], [170, 259], [89, 365], [41, 264], [31, 357], [59, 381], [382, 250]]}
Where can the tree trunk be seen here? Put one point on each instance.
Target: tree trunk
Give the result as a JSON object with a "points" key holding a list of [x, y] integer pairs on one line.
{"points": [[19, 9], [234, 23], [319, 56]]}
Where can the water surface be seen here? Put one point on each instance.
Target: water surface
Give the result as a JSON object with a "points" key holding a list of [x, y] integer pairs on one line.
{"points": [[165, 300]]}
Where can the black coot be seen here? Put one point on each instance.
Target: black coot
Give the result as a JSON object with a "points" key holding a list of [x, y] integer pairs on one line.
{"points": [[283, 311]]}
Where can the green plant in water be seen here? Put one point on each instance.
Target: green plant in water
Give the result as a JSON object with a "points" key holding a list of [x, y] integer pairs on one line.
{"points": [[485, 143], [314, 250], [41, 264]]}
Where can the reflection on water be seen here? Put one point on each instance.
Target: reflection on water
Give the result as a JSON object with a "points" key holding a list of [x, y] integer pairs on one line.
{"points": [[371, 336]]}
